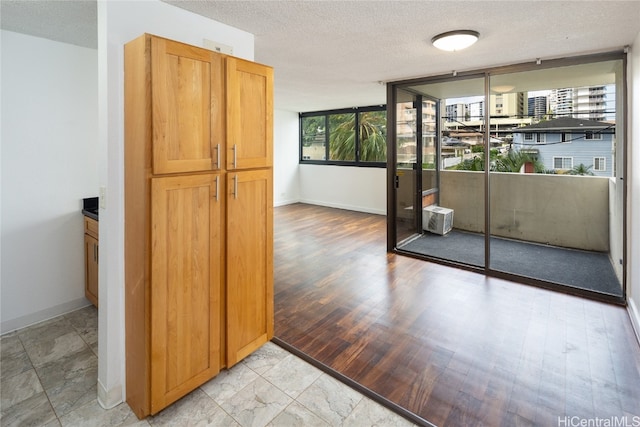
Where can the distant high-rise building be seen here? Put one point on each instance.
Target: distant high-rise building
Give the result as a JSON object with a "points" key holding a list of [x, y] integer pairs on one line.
{"points": [[475, 110], [537, 106], [586, 102], [507, 104], [562, 102], [456, 112]]}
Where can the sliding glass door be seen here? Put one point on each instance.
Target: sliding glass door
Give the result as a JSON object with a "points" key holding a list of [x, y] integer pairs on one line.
{"points": [[515, 171], [440, 162]]}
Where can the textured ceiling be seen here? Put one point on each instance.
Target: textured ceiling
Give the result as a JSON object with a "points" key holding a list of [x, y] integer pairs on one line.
{"points": [[333, 54], [68, 21]]}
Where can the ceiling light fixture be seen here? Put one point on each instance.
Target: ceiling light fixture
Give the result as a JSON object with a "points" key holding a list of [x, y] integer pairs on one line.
{"points": [[503, 88], [455, 40]]}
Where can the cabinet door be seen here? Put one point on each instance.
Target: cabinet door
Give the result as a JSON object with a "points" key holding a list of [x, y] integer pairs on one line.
{"points": [[249, 114], [185, 285], [91, 269], [249, 262], [187, 102]]}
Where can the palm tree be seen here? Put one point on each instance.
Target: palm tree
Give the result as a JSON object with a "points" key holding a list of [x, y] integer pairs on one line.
{"points": [[514, 160], [581, 169], [372, 136], [342, 136]]}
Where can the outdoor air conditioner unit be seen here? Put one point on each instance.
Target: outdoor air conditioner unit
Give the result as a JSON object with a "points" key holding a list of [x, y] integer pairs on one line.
{"points": [[436, 219]]}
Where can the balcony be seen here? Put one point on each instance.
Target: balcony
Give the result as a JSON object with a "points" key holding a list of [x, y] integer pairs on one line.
{"points": [[556, 228]]}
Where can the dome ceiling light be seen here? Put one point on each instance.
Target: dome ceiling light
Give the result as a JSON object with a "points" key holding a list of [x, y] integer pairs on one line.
{"points": [[455, 40]]}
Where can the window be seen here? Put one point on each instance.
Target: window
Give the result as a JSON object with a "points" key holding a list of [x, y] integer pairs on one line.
{"points": [[563, 162], [535, 137], [599, 164], [589, 135], [351, 137], [342, 137], [566, 137], [313, 141]]}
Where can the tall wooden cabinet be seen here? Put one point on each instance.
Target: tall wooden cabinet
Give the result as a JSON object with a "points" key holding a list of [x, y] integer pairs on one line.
{"points": [[198, 216]]}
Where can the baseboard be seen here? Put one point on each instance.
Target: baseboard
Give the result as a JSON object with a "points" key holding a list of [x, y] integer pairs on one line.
{"points": [[634, 315], [346, 207], [42, 315], [285, 202], [109, 398]]}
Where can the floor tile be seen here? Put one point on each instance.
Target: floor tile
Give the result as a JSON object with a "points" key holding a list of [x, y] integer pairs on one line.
{"points": [[256, 404], [265, 357], [292, 375], [19, 387], [195, 409], [85, 322], [297, 415], [50, 341], [33, 411], [330, 399], [94, 415], [13, 357], [64, 370], [229, 382], [74, 392]]}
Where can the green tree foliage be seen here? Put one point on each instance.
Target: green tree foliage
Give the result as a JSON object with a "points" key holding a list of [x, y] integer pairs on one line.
{"points": [[313, 128], [342, 136], [514, 160], [372, 134], [581, 169], [511, 162]]}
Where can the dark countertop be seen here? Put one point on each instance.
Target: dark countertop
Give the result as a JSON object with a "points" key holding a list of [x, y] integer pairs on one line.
{"points": [[90, 207]]}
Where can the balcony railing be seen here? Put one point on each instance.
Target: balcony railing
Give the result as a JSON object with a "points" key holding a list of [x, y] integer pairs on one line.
{"points": [[566, 211]]}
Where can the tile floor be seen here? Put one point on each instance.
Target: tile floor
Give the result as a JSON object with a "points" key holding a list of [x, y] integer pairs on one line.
{"points": [[49, 376]]}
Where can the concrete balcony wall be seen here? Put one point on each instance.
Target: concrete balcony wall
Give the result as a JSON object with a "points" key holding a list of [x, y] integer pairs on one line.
{"points": [[560, 210]]}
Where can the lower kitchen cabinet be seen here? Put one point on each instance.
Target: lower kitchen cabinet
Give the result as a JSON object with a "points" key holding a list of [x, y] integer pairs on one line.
{"points": [[91, 253]]}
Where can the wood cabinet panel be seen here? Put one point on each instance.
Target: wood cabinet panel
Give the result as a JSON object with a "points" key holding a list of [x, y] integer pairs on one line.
{"points": [[187, 107], [185, 296], [91, 268], [249, 262], [249, 114]]}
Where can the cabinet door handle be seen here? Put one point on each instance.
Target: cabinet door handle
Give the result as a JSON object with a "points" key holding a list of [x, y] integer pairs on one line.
{"points": [[95, 252], [235, 157], [217, 156], [235, 186], [217, 188]]}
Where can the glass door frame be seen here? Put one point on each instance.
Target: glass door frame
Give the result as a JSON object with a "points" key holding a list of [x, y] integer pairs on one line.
{"points": [[487, 73]]}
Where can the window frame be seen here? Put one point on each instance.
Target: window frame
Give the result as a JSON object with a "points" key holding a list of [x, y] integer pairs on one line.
{"points": [[563, 158], [601, 159], [591, 135], [328, 161]]}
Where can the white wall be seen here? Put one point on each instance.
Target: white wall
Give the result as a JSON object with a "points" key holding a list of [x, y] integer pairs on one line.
{"points": [[49, 163], [633, 183], [353, 188], [118, 23], [286, 187]]}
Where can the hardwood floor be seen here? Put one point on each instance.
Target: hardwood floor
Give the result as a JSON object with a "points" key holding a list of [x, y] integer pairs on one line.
{"points": [[454, 347]]}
